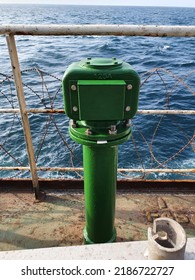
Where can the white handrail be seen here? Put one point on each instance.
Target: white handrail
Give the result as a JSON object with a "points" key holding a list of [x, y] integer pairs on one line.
{"points": [[81, 169], [99, 29], [61, 111]]}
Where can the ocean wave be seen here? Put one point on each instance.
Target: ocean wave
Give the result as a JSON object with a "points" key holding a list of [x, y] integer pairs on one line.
{"points": [[161, 90]]}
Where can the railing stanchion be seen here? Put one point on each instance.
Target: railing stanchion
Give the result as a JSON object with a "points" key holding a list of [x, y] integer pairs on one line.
{"points": [[22, 106]]}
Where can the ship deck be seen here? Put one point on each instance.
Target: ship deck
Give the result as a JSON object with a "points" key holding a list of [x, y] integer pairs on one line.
{"points": [[57, 219]]}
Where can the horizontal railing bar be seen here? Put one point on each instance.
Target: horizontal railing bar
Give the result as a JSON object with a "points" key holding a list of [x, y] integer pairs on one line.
{"points": [[72, 169], [166, 112], [33, 111], [26, 168], [61, 111], [99, 29]]}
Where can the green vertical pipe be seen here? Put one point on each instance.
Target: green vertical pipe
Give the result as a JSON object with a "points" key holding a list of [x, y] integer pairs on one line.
{"points": [[100, 177]]}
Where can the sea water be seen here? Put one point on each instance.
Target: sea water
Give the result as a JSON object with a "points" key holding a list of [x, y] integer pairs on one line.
{"points": [[166, 67]]}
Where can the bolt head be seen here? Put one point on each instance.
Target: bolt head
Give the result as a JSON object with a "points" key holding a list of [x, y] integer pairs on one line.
{"points": [[112, 132], [128, 123], [129, 87], [162, 235], [128, 108], [113, 129], [75, 108], [73, 123], [73, 87], [88, 131]]}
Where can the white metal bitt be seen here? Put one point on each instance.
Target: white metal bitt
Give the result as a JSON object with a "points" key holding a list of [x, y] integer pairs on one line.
{"points": [[166, 240], [22, 106]]}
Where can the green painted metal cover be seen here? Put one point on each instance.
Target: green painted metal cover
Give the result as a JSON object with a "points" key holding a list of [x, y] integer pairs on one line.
{"points": [[103, 63], [100, 89], [101, 100]]}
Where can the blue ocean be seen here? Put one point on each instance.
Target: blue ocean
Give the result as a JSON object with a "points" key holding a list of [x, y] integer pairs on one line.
{"points": [[166, 67]]}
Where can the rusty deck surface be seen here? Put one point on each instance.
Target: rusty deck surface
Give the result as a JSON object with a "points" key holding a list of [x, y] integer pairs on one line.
{"points": [[58, 219]]}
